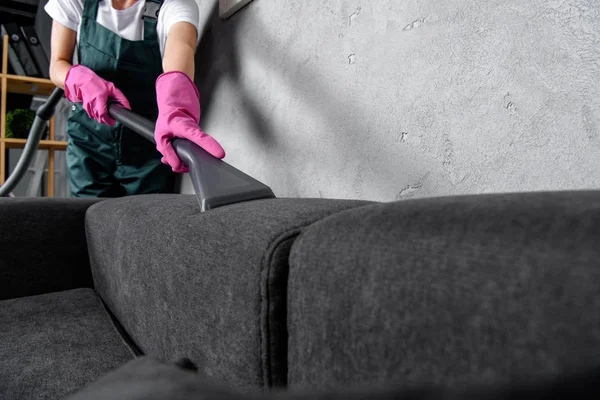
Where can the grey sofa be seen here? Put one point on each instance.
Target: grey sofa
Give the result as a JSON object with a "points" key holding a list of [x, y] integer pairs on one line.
{"points": [[288, 296]]}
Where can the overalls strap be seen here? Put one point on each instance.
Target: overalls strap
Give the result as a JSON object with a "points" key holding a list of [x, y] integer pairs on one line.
{"points": [[150, 18]]}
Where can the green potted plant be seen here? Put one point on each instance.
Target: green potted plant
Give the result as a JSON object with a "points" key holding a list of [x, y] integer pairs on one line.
{"points": [[18, 123]]}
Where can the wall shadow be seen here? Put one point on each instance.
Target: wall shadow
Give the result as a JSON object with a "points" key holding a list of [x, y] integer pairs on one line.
{"points": [[360, 143], [218, 43]]}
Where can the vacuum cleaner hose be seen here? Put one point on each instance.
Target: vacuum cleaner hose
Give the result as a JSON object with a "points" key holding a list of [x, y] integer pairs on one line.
{"points": [[42, 116], [215, 182]]}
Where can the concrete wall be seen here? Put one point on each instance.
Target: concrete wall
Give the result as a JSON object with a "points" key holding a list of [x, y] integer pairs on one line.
{"points": [[385, 100]]}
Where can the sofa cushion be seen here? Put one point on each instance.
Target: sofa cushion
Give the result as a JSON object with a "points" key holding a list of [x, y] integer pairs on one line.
{"points": [[447, 290], [209, 286], [53, 344]]}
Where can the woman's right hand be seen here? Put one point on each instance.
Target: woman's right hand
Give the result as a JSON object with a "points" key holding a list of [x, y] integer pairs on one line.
{"points": [[82, 85]]}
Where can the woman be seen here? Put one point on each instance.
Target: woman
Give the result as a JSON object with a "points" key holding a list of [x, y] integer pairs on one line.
{"points": [[139, 53]]}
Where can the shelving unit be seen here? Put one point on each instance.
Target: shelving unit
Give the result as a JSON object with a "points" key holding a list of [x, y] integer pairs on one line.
{"points": [[31, 86]]}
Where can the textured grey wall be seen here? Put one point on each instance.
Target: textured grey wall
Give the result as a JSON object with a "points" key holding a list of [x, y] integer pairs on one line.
{"points": [[392, 99]]}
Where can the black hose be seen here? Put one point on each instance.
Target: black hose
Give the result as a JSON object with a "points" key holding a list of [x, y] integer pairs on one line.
{"points": [[42, 116], [215, 182]]}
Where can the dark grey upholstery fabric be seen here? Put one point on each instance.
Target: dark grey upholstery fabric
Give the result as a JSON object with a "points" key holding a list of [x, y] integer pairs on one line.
{"points": [[42, 246], [208, 286], [149, 379], [451, 290], [54, 344]]}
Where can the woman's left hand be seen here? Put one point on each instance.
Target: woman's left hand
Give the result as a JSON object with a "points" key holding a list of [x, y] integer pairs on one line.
{"points": [[178, 117]]}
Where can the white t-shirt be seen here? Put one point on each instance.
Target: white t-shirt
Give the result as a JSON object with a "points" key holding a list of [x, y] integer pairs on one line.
{"points": [[126, 23]]}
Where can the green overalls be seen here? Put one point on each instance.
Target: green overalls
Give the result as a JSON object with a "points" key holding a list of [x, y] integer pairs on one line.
{"points": [[105, 161]]}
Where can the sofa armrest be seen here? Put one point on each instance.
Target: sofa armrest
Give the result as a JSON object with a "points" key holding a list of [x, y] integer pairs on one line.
{"points": [[43, 246]]}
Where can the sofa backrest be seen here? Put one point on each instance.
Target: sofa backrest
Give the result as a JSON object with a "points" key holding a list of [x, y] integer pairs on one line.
{"points": [[208, 286], [446, 290]]}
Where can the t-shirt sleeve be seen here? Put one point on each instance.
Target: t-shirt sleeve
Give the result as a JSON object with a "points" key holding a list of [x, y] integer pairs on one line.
{"points": [[66, 12], [174, 11]]}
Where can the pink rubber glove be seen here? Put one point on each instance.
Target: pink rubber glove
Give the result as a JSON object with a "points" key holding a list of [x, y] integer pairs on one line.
{"points": [[82, 85], [178, 117]]}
